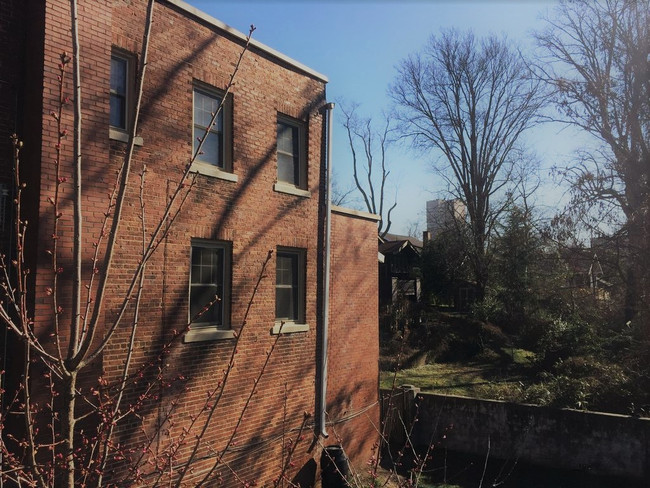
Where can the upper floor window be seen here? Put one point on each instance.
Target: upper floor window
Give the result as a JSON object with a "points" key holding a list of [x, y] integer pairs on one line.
{"points": [[216, 149], [291, 152], [121, 72]]}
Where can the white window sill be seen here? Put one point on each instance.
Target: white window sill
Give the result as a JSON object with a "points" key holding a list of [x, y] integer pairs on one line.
{"points": [[118, 135], [213, 171], [283, 187], [289, 328], [201, 334]]}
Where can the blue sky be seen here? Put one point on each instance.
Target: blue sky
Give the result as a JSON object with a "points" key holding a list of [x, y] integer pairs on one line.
{"points": [[358, 44]]}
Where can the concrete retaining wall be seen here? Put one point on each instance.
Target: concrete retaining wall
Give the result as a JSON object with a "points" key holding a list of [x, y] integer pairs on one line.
{"points": [[603, 444]]}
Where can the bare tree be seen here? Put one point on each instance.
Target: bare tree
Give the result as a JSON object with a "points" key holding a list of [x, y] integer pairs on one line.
{"points": [[598, 63], [471, 99], [372, 186], [342, 195]]}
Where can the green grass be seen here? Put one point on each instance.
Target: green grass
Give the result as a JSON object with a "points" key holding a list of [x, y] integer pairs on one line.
{"points": [[520, 356], [452, 354], [480, 378]]}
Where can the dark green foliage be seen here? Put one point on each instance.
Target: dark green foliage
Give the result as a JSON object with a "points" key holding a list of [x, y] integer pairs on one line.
{"points": [[518, 255], [556, 340], [449, 337], [582, 353], [445, 261], [530, 279], [490, 309], [583, 382]]}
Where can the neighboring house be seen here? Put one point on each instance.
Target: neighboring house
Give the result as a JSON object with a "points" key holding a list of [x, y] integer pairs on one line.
{"points": [[260, 187], [399, 273], [586, 271]]}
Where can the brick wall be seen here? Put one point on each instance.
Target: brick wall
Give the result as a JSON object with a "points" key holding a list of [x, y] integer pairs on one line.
{"points": [[353, 367], [247, 213]]}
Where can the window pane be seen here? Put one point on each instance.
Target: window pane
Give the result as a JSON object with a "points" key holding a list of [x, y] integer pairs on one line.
{"points": [[118, 75], [286, 264], [288, 153], [206, 281], [118, 95], [196, 256], [287, 168], [201, 109], [200, 297], [287, 138], [118, 112], [287, 300], [205, 105], [211, 148], [195, 275], [284, 304]]}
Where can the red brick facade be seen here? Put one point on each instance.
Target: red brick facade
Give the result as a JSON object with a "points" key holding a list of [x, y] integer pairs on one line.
{"points": [[353, 365], [244, 211]]}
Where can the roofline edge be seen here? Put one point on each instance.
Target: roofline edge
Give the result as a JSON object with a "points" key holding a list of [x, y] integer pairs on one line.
{"points": [[186, 7], [355, 213]]}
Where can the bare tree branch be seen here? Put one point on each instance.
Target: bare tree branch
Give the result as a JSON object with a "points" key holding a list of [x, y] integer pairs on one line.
{"points": [[373, 190], [597, 61], [470, 99]]}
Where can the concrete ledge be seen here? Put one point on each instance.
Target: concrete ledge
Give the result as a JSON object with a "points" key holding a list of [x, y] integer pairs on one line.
{"points": [[291, 190], [202, 334], [289, 328], [355, 213], [213, 171], [118, 135]]}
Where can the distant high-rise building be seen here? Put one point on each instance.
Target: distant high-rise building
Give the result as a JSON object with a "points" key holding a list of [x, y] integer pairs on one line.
{"points": [[442, 213]]}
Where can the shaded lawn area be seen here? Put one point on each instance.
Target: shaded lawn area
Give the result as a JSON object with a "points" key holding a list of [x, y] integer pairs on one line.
{"points": [[477, 378]]}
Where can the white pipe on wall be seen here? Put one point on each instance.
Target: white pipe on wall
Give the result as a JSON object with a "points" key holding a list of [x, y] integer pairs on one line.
{"points": [[326, 278]]}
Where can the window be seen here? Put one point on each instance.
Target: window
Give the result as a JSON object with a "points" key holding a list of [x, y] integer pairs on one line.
{"points": [[121, 67], [290, 286], [216, 150], [291, 151], [209, 278]]}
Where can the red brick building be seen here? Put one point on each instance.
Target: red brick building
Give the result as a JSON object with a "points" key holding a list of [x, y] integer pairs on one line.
{"points": [[260, 187]]}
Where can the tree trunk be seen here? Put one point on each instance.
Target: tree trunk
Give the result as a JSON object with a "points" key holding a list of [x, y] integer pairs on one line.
{"points": [[69, 401]]}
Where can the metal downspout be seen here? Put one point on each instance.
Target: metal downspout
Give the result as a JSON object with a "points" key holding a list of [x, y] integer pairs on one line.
{"points": [[326, 288]]}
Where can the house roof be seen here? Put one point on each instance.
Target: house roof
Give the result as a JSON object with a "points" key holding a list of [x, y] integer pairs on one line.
{"points": [[397, 246], [392, 247], [398, 238], [586, 261], [581, 260]]}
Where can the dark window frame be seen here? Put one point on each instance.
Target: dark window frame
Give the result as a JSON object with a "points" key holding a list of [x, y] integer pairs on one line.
{"points": [[126, 96], [296, 286], [224, 248], [298, 153], [224, 161]]}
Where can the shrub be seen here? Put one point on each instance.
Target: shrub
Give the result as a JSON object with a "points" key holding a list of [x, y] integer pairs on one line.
{"points": [[490, 309], [558, 339], [582, 382]]}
